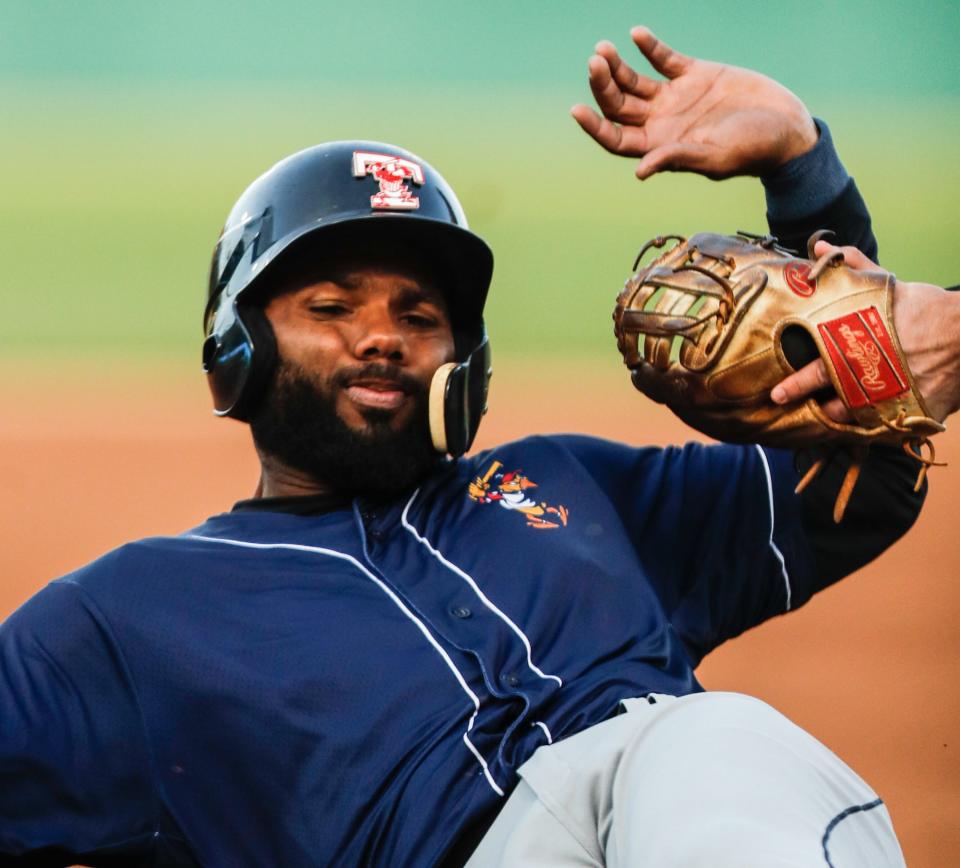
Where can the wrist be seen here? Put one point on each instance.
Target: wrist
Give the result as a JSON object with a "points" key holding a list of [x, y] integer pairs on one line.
{"points": [[807, 183], [950, 372], [805, 137], [927, 319]]}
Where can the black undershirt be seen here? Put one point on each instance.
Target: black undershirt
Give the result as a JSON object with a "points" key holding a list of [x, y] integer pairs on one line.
{"points": [[304, 504]]}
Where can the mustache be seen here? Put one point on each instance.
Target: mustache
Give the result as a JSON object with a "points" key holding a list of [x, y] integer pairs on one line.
{"points": [[379, 371]]}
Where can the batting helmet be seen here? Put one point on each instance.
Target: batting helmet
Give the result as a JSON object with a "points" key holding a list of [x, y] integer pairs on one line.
{"points": [[314, 202]]}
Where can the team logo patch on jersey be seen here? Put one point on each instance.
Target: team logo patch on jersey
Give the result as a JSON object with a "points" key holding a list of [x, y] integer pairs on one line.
{"points": [[392, 174], [511, 491]]}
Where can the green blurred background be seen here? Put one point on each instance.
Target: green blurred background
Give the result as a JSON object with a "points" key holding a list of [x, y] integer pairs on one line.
{"points": [[129, 128]]}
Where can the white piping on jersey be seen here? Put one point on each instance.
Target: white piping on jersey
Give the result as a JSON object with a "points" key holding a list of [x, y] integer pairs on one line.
{"points": [[776, 551], [400, 605], [476, 589], [543, 726]]}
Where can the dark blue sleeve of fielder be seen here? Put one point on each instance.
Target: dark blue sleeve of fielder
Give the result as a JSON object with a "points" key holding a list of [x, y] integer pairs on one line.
{"points": [[809, 193], [815, 192]]}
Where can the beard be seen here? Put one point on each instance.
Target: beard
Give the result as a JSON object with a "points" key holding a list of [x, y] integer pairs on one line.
{"points": [[297, 422]]}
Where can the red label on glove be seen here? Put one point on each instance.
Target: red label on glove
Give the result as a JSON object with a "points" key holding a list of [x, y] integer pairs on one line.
{"points": [[863, 356]]}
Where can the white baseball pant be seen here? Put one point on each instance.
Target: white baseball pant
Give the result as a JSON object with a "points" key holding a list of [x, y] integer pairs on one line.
{"points": [[711, 780]]}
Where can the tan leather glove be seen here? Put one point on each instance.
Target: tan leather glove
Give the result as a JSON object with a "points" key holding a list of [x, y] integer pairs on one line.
{"points": [[703, 329]]}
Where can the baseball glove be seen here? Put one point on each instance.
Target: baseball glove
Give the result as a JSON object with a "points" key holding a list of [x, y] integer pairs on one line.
{"points": [[714, 323]]}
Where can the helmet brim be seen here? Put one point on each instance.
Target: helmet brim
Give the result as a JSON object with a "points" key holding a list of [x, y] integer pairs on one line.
{"points": [[462, 260]]}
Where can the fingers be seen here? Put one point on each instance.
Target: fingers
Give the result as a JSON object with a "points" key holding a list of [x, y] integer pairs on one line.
{"points": [[626, 77], [622, 94], [605, 133], [851, 256], [613, 137], [805, 382], [662, 57], [614, 101], [630, 141], [605, 91]]}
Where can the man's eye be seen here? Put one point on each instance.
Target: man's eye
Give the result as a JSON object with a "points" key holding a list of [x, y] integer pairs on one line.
{"points": [[328, 309], [419, 320]]}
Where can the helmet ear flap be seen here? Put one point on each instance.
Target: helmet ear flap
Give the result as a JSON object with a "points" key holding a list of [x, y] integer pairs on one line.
{"points": [[458, 401], [438, 404], [239, 359], [263, 362]]}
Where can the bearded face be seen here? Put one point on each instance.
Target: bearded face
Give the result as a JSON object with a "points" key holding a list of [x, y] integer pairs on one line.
{"points": [[359, 336], [299, 424]]}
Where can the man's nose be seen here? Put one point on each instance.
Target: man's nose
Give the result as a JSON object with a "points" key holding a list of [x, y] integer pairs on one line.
{"points": [[380, 338]]}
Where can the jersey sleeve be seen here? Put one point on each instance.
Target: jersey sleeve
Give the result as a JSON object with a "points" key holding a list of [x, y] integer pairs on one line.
{"points": [[75, 784], [717, 529]]}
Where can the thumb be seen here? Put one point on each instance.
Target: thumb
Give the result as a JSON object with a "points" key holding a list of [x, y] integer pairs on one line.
{"points": [[802, 383], [851, 256]]}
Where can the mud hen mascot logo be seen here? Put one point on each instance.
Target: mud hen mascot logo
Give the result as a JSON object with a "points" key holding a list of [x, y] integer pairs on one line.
{"points": [[510, 491]]}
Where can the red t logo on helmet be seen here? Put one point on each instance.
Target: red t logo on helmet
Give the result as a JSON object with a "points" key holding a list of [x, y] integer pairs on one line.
{"points": [[392, 173]]}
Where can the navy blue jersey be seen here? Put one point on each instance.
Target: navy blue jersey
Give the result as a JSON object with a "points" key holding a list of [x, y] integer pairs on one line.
{"points": [[277, 689]]}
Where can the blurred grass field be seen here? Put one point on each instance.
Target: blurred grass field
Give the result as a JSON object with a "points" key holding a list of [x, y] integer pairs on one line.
{"points": [[129, 129], [113, 198]]}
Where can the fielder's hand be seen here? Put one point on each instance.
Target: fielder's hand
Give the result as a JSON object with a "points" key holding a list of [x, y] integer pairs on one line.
{"points": [[927, 319], [706, 117]]}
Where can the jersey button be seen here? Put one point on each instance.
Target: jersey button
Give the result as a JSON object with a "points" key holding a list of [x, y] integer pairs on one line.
{"points": [[461, 612], [510, 680]]}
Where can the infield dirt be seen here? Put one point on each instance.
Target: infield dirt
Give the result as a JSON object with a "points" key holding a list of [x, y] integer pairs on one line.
{"points": [[871, 666]]}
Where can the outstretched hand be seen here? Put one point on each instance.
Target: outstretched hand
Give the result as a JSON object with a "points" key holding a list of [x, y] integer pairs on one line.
{"points": [[705, 117], [927, 319]]}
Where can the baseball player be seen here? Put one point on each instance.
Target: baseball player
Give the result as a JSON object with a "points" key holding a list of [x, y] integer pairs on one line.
{"points": [[398, 654]]}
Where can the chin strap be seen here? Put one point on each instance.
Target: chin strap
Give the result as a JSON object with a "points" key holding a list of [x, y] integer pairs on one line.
{"points": [[458, 400]]}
